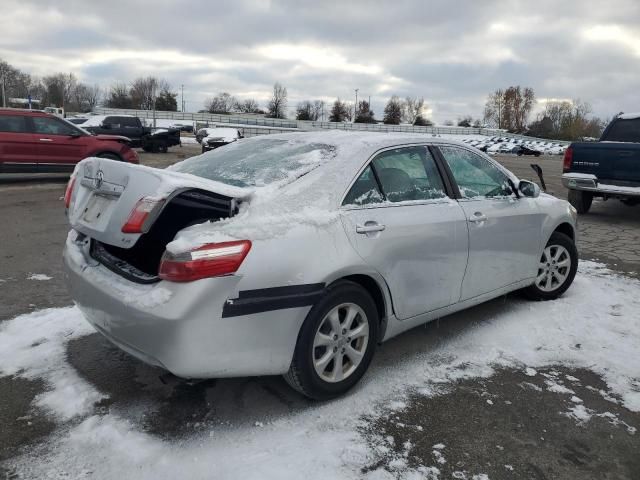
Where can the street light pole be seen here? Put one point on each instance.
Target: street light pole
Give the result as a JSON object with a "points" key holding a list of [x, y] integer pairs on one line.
{"points": [[182, 101]]}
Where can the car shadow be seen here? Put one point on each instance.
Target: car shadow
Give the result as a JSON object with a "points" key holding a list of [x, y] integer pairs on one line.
{"points": [[169, 407]]}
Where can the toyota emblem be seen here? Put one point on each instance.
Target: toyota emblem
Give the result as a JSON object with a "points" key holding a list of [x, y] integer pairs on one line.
{"points": [[97, 182]]}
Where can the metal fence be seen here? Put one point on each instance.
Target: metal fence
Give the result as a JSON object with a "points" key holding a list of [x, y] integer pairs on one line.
{"points": [[264, 126]]}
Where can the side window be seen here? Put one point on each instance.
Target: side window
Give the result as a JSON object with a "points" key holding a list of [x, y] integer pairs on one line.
{"points": [[51, 126], [365, 191], [409, 173], [113, 121], [129, 122], [13, 124], [475, 175]]}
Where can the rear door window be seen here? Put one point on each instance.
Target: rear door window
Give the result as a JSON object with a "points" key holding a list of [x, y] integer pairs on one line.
{"points": [[13, 124], [408, 174], [365, 190]]}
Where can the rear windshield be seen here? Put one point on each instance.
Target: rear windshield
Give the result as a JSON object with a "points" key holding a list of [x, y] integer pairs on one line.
{"points": [[623, 131], [258, 162]]}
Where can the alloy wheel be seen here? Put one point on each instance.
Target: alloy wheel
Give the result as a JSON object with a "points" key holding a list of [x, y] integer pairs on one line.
{"points": [[340, 342], [554, 268]]}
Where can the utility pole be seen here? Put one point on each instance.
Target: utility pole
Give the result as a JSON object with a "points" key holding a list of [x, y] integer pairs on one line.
{"points": [[322, 114], [355, 107], [182, 88], [153, 95], [4, 96]]}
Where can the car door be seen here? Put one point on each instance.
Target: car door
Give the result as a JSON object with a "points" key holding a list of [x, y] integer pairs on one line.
{"points": [[18, 145], [401, 221], [504, 231], [60, 146]]}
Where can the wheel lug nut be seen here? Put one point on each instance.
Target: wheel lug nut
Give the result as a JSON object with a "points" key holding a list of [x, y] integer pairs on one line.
{"points": [[344, 330], [335, 349], [335, 337]]}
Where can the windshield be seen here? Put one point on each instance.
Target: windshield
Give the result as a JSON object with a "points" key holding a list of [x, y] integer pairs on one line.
{"points": [[258, 162]]}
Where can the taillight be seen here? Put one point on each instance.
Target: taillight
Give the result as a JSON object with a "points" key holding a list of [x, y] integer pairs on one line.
{"points": [[211, 260], [140, 213], [68, 193], [568, 159]]}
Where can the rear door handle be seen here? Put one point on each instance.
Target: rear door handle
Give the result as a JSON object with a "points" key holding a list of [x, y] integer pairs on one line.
{"points": [[46, 140], [478, 217], [370, 227]]}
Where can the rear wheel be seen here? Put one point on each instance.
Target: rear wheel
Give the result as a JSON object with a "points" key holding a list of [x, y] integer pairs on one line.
{"points": [[336, 343], [580, 200], [631, 202], [556, 269], [110, 156]]}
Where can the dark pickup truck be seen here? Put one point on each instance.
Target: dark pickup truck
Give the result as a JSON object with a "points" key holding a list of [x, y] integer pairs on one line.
{"points": [[141, 136], [609, 168]]}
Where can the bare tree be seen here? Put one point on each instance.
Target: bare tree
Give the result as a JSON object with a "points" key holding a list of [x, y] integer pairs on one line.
{"points": [[393, 111], [465, 121], [144, 90], [305, 111], [85, 97], [567, 120], [277, 106], [222, 103], [413, 107], [59, 88], [249, 105], [509, 108], [118, 96]]}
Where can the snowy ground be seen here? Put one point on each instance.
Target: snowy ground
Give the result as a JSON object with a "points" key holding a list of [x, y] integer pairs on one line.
{"points": [[595, 326]]}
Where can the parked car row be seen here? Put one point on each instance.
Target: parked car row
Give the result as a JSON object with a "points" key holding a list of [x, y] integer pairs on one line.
{"points": [[211, 138], [502, 145]]}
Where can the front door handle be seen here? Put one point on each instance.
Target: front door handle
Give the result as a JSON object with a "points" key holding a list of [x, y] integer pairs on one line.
{"points": [[370, 227], [46, 140], [478, 217]]}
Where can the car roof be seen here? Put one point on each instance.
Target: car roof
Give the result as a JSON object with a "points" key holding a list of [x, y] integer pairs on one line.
{"points": [[24, 112]]}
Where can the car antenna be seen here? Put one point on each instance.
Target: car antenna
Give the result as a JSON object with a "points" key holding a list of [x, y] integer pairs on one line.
{"points": [[538, 169]]}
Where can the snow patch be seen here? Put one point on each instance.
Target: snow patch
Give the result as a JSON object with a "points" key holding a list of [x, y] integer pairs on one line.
{"points": [[39, 277]]}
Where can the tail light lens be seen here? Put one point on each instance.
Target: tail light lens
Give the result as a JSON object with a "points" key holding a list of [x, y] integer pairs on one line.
{"points": [[68, 193], [138, 217], [211, 260], [568, 159]]}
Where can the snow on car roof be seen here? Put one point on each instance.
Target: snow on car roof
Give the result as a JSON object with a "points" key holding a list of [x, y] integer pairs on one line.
{"points": [[629, 116]]}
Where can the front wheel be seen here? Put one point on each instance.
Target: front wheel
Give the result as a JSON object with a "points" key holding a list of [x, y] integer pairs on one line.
{"points": [[556, 269], [336, 343], [110, 156]]}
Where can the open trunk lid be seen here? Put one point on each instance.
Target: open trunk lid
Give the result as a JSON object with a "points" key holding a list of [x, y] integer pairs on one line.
{"points": [[106, 192]]}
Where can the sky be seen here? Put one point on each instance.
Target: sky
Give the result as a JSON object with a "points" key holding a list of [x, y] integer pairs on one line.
{"points": [[452, 53]]}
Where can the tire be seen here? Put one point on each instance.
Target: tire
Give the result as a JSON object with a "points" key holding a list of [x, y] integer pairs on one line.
{"points": [[559, 248], [580, 200], [163, 148], [343, 297], [631, 202], [110, 156], [204, 150]]}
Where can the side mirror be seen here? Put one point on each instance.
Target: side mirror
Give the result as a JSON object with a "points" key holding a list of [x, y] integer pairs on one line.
{"points": [[528, 189]]}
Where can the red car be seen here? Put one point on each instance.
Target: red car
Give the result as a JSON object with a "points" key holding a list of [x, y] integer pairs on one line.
{"points": [[34, 141]]}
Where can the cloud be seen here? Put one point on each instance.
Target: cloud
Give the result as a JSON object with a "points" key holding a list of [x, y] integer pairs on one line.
{"points": [[452, 53]]}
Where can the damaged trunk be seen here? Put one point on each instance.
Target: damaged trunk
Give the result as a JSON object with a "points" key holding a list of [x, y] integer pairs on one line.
{"points": [[141, 262]]}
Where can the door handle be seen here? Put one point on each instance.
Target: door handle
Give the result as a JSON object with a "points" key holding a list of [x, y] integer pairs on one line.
{"points": [[370, 227], [478, 218], [46, 140]]}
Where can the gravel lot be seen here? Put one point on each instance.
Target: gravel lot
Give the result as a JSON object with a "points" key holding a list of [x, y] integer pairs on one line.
{"points": [[34, 229]]}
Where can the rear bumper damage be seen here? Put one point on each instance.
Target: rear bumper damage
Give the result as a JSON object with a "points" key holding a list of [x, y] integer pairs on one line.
{"points": [[184, 328], [590, 183]]}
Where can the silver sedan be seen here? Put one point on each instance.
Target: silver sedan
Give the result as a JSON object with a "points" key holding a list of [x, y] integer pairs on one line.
{"points": [[297, 254]]}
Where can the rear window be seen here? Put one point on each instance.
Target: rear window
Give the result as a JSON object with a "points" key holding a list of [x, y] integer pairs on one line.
{"points": [[13, 123], [257, 162], [623, 131]]}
